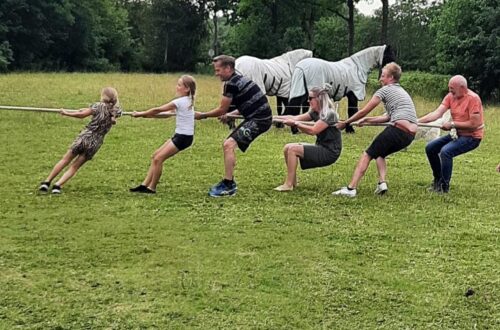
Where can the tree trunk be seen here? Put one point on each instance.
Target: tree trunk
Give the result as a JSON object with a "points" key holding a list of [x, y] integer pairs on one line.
{"points": [[350, 26], [385, 18], [165, 56], [274, 16], [216, 34]]}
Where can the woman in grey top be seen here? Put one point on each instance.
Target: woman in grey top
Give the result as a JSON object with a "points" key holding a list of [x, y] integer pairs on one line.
{"points": [[89, 140], [400, 112], [328, 144]]}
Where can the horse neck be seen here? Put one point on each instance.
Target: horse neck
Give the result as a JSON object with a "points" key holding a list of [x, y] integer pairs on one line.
{"points": [[295, 56], [368, 58]]}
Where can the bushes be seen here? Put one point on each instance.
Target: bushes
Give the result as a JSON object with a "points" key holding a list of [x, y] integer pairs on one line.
{"points": [[416, 83]]}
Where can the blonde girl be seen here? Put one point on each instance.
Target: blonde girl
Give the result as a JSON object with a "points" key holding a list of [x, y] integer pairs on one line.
{"points": [[90, 139], [183, 138]]}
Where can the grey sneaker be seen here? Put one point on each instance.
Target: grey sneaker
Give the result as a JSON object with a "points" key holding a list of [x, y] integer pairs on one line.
{"points": [[344, 191], [381, 188]]}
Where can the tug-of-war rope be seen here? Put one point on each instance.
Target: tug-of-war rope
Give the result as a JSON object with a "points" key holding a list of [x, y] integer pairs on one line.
{"points": [[172, 114]]}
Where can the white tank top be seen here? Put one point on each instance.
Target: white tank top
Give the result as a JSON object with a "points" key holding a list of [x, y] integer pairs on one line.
{"points": [[184, 120]]}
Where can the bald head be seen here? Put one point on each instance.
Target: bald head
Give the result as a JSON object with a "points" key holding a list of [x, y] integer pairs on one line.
{"points": [[457, 86], [458, 81]]}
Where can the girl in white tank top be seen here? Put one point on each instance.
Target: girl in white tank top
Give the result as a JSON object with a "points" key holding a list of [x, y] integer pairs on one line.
{"points": [[184, 131]]}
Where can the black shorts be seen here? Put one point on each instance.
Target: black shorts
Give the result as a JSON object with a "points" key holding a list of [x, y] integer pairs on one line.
{"points": [[182, 141], [391, 140], [317, 156], [248, 131]]}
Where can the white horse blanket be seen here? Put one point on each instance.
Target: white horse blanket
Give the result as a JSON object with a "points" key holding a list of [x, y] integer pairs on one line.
{"points": [[349, 74], [273, 76]]}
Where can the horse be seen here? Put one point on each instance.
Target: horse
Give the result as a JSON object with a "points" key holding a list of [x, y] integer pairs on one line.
{"points": [[348, 78], [273, 75]]}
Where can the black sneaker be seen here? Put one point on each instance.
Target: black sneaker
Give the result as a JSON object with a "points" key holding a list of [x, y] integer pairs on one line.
{"points": [[44, 186], [139, 188], [435, 186], [146, 190], [56, 189]]}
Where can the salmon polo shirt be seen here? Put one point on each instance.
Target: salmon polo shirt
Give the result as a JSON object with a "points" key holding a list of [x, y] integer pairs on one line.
{"points": [[461, 110]]}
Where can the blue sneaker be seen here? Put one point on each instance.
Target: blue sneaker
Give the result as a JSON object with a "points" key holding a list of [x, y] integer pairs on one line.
{"points": [[221, 189]]}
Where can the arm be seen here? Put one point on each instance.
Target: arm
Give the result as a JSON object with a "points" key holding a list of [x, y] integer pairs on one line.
{"points": [[82, 113], [374, 101], [471, 125], [375, 120], [318, 127], [302, 117], [432, 116], [222, 109], [155, 111]]}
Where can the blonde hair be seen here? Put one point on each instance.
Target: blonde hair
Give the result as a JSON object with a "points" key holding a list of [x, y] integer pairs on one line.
{"points": [[394, 70], [325, 103], [190, 83], [109, 96]]}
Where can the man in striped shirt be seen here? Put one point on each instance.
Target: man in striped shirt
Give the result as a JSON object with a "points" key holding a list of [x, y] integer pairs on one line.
{"points": [[249, 101], [400, 112]]}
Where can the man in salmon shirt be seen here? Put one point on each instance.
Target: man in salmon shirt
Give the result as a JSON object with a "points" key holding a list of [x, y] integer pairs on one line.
{"points": [[466, 118]]}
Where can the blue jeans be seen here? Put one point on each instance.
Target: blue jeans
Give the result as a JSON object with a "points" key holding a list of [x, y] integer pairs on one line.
{"points": [[440, 153]]}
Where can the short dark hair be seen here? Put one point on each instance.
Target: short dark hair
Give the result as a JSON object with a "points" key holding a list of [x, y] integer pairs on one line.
{"points": [[225, 60]]}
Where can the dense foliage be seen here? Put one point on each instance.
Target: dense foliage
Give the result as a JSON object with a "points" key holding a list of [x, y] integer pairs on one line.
{"points": [[445, 37]]}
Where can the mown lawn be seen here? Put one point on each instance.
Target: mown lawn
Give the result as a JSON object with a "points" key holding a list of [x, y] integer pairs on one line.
{"points": [[98, 256]]}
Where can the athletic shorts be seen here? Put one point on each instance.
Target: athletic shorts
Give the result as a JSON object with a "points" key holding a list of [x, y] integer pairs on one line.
{"points": [[248, 131], [391, 140], [317, 156], [182, 141]]}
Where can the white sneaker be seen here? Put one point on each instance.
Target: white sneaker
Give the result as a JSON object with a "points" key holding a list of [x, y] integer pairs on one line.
{"points": [[381, 188], [344, 191]]}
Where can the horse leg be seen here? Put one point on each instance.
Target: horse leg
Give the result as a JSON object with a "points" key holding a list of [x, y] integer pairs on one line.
{"points": [[294, 108], [305, 105], [352, 108], [282, 103]]}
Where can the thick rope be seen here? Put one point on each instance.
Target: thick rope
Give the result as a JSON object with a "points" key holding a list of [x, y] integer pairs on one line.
{"points": [[172, 114]]}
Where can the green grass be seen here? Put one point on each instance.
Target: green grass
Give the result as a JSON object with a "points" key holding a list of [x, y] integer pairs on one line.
{"points": [[99, 257]]}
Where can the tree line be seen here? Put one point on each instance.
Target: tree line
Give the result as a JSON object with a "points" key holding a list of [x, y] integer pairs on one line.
{"points": [[447, 37]]}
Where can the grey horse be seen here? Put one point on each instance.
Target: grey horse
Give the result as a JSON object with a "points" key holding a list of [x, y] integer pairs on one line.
{"points": [[348, 78]]}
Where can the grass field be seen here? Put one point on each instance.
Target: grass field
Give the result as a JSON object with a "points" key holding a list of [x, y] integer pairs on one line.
{"points": [[99, 257]]}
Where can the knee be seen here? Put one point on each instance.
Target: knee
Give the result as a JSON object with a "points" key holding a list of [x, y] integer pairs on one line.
{"points": [[295, 149], [446, 154], [156, 159], [228, 145], [430, 150]]}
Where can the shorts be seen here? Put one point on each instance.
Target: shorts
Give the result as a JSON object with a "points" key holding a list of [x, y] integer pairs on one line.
{"points": [[248, 131], [87, 145], [391, 140], [317, 156], [182, 141]]}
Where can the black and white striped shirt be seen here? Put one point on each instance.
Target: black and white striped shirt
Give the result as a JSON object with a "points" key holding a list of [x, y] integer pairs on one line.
{"points": [[247, 98], [397, 103]]}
